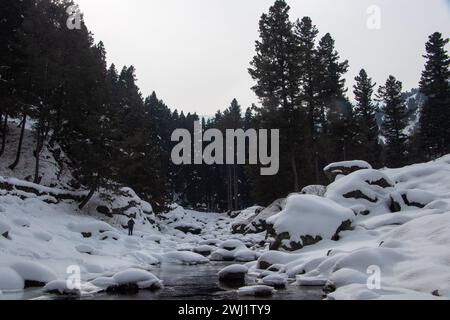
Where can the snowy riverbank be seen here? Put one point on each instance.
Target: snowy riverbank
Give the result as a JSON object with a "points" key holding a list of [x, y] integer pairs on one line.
{"points": [[388, 228]]}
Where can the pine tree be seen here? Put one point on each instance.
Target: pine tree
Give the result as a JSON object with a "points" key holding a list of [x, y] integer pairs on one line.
{"points": [[233, 120], [306, 33], [12, 14], [394, 121], [331, 81], [275, 69], [332, 114], [365, 113], [435, 86]]}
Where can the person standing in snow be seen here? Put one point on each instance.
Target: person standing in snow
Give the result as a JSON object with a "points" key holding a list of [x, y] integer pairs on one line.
{"points": [[130, 226]]}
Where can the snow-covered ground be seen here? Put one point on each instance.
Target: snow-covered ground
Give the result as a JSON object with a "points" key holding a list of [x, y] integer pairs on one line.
{"points": [[372, 235]]}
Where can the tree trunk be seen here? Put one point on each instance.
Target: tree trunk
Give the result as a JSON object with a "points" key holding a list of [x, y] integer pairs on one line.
{"points": [[19, 148], [236, 187], [39, 144], [295, 173], [230, 190], [5, 125], [89, 196], [316, 166]]}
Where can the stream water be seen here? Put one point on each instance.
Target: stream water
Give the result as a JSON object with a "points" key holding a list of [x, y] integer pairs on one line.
{"points": [[201, 283], [186, 283]]}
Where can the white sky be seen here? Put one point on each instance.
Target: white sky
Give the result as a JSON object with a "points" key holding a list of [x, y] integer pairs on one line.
{"points": [[195, 53]]}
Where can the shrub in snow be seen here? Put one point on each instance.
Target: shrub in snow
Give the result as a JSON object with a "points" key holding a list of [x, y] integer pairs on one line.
{"points": [[59, 287], [307, 220], [315, 190], [334, 170], [4, 229], [129, 281], [10, 280], [34, 274], [234, 272], [365, 191], [184, 258], [256, 291]]}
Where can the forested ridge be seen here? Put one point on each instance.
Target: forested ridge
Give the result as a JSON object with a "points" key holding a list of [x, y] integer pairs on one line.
{"points": [[58, 80]]}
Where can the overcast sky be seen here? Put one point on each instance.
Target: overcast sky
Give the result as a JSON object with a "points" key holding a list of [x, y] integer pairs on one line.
{"points": [[195, 53]]}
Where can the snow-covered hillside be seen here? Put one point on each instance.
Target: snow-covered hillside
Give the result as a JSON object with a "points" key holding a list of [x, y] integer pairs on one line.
{"points": [[370, 234]]}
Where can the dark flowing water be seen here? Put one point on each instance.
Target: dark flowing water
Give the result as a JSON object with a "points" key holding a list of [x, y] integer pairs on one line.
{"points": [[186, 283], [201, 283]]}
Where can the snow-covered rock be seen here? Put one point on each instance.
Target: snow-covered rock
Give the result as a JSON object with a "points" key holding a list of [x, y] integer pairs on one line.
{"points": [[271, 258], [60, 287], [10, 280], [338, 169], [257, 291], [144, 279], [4, 229], [307, 220], [184, 258], [244, 218], [403, 200], [146, 258], [234, 250], [187, 228], [91, 229], [82, 248], [129, 281], [365, 191], [22, 222], [234, 272], [33, 273], [204, 250], [109, 235], [259, 223], [278, 281], [43, 236]]}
